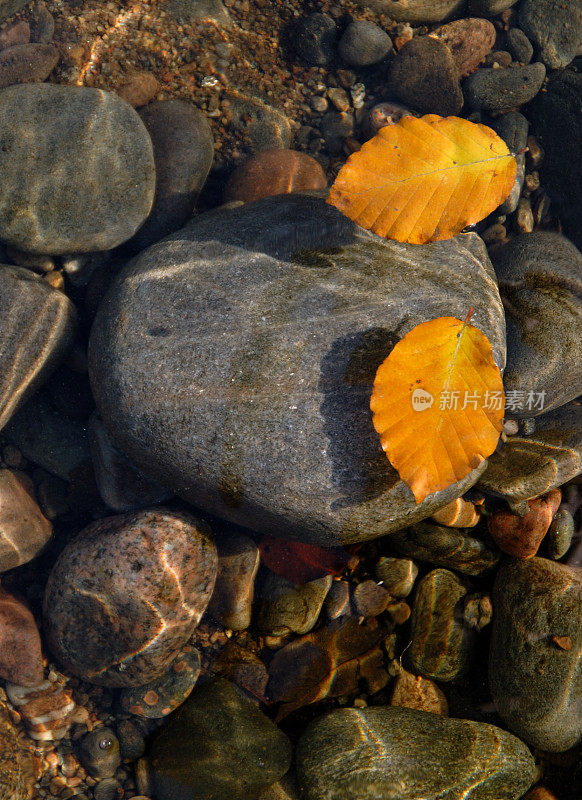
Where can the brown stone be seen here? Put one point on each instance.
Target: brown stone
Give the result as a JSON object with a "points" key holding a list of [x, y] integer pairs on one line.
{"points": [[273, 172], [522, 536], [539, 793], [15, 33], [20, 648], [370, 599], [46, 709], [139, 88], [238, 564], [27, 63], [458, 514], [414, 691], [469, 41], [126, 594], [24, 530]]}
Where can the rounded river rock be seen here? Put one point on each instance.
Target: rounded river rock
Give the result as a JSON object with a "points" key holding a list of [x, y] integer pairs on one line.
{"points": [[267, 346], [77, 169], [404, 754], [126, 594]]}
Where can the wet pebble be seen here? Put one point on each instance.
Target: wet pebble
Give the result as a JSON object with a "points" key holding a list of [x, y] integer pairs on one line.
{"points": [[523, 221], [469, 41], [446, 547], [489, 8], [418, 10], [478, 610], [20, 647], [442, 647], [157, 699], [414, 691], [500, 90], [273, 172], [15, 33], [131, 740], [534, 663], [24, 531], [47, 709], [287, 608], [337, 601], [106, 789], [335, 127], [315, 39], [513, 128], [370, 599], [560, 533], [238, 564], [458, 514], [99, 753], [127, 593], [139, 88], [363, 43], [397, 575], [554, 28], [519, 45], [423, 75], [42, 23], [383, 114], [27, 63]]}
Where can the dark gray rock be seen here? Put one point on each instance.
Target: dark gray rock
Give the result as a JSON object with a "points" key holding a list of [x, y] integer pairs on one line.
{"points": [[556, 119], [424, 76], [77, 169], [528, 466], [38, 327], [558, 539], [315, 39], [27, 63], [540, 281], [10, 7], [42, 24], [364, 43], [267, 346], [442, 646], [513, 128], [453, 548], [405, 754], [218, 745], [99, 753], [519, 45], [554, 28], [416, 10], [334, 127], [183, 153], [535, 665], [500, 90]]}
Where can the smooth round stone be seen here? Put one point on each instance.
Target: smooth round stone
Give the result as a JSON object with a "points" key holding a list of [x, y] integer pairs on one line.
{"points": [[520, 46], [267, 345], [159, 698], [370, 599], [414, 691], [238, 564], [286, 608], [554, 28], [273, 172], [131, 739], [30, 352], [126, 594], [442, 646], [24, 530], [20, 647], [529, 466], [416, 10], [500, 90], [99, 753], [351, 754], [139, 88], [423, 75], [218, 744], [337, 601], [521, 536], [540, 278], [397, 575], [183, 154], [27, 63], [314, 39], [446, 547], [469, 41], [17, 771], [535, 667], [364, 43], [77, 169], [560, 534], [513, 128]]}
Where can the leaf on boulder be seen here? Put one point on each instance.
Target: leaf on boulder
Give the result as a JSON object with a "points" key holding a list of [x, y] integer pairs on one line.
{"points": [[425, 179], [438, 404]]}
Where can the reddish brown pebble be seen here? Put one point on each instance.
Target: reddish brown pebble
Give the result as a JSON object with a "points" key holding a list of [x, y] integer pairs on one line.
{"points": [[24, 530], [539, 793], [139, 88], [46, 709], [469, 41], [412, 691], [370, 599], [274, 172], [522, 536], [16, 33], [151, 698], [400, 612], [563, 642], [20, 648], [27, 63]]}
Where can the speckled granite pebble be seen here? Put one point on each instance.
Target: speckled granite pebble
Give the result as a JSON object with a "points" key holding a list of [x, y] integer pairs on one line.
{"points": [[535, 664], [352, 754]]}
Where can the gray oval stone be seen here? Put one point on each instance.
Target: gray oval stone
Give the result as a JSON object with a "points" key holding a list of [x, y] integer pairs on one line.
{"points": [[535, 664], [403, 754], [267, 346], [77, 169], [499, 90]]}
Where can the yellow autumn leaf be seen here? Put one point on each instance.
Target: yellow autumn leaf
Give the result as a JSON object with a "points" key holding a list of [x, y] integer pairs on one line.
{"points": [[438, 404], [425, 179]]}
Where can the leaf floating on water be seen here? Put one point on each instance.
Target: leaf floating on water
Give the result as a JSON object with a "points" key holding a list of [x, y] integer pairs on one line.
{"points": [[425, 179], [438, 404]]}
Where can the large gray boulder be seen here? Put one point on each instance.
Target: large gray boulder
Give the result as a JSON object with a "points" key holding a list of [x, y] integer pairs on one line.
{"points": [[234, 362]]}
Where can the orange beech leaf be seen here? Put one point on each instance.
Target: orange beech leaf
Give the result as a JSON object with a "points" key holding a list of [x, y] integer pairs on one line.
{"points": [[425, 179], [438, 404], [300, 562]]}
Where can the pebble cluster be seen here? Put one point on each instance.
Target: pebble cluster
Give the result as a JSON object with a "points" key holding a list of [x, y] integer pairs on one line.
{"points": [[213, 584]]}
